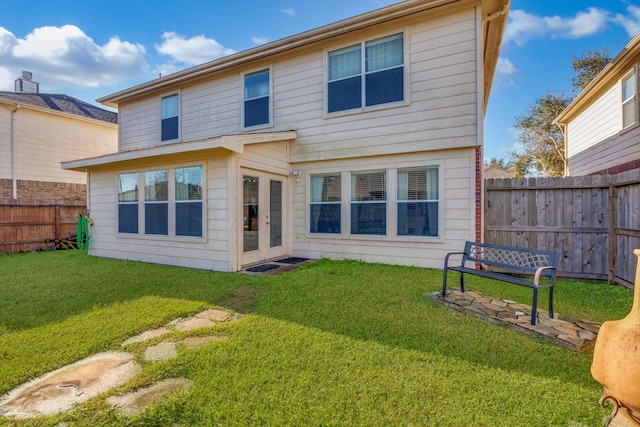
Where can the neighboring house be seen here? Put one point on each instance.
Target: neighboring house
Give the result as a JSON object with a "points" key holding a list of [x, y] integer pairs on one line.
{"points": [[38, 132], [492, 172], [602, 126], [361, 139]]}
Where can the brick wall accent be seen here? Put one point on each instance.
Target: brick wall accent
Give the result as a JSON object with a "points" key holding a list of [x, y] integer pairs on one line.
{"points": [[478, 194], [634, 164], [42, 190]]}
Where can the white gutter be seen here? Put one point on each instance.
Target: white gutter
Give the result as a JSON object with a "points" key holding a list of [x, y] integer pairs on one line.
{"points": [[14, 162]]}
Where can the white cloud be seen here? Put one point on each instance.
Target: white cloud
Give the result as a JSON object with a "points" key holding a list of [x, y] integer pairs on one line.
{"points": [[66, 56], [523, 26], [631, 23], [192, 51], [259, 40], [289, 12], [505, 71]]}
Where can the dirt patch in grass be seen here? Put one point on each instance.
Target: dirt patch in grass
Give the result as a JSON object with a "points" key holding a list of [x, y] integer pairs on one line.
{"points": [[244, 299]]}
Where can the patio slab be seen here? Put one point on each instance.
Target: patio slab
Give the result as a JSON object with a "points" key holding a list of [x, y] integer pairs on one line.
{"points": [[574, 334]]}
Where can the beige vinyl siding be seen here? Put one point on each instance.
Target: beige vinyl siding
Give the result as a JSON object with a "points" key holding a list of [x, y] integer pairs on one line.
{"points": [[595, 138], [210, 253], [440, 109], [598, 122], [457, 212], [44, 140]]}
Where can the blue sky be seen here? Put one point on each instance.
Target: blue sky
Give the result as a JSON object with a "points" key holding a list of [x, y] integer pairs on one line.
{"points": [[92, 48]]}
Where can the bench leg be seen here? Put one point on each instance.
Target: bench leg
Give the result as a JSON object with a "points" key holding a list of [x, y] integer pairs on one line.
{"points": [[534, 306], [551, 302], [461, 282], [444, 283]]}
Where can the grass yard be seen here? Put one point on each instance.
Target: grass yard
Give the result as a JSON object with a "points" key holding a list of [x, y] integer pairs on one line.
{"points": [[331, 344]]}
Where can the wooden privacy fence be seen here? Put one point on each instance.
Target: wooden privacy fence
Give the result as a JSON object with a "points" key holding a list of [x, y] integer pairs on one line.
{"points": [[24, 226], [591, 221]]}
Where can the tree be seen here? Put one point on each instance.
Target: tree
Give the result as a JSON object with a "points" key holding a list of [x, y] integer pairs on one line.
{"points": [[542, 142], [587, 67]]}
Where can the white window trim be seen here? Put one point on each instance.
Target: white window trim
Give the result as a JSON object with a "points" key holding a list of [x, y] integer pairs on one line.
{"points": [[171, 218], [242, 100], [365, 109], [160, 98]]}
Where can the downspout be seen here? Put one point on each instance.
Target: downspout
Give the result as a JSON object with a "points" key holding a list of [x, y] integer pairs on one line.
{"points": [[14, 174]]}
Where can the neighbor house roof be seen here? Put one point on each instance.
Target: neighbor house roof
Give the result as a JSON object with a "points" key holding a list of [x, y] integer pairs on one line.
{"points": [[60, 104], [613, 72], [493, 23]]}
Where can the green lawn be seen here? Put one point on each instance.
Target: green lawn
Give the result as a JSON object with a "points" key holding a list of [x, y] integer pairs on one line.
{"points": [[331, 343]]}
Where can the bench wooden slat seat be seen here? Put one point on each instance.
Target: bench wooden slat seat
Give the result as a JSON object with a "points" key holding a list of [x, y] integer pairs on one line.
{"points": [[513, 263]]}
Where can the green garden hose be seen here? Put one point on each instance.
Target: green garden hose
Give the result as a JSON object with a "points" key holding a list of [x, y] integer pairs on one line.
{"points": [[82, 235]]}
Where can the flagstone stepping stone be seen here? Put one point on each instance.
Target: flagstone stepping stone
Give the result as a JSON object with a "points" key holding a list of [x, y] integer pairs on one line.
{"points": [[146, 335], [59, 390], [162, 351], [134, 402]]}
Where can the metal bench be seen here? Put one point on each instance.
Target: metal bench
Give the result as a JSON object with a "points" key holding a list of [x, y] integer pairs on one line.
{"points": [[512, 263]]}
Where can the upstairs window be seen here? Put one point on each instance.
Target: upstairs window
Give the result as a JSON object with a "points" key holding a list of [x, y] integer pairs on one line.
{"points": [[375, 77], [629, 100], [256, 98], [170, 115]]}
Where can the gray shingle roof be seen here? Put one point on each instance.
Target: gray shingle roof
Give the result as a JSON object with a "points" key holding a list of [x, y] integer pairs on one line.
{"points": [[62, 103]]}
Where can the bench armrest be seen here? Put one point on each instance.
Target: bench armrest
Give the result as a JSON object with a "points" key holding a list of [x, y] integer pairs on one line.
{"points": [[536, 278], [446, 258]]}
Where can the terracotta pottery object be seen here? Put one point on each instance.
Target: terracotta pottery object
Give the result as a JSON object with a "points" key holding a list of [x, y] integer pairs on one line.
{"points": [[616, 360]]}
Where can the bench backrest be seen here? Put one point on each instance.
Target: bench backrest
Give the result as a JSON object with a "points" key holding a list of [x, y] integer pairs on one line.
{"points": [[521, 259]]}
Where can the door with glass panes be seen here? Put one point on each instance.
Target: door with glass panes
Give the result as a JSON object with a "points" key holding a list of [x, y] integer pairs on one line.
{"points": [[262, 218]]}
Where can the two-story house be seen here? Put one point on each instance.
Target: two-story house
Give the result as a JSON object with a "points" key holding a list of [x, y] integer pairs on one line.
{"points": [[602, 124], [361, 139]]}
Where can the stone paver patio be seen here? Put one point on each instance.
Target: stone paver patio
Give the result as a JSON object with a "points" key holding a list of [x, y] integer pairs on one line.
{"points": [[574, 334]]}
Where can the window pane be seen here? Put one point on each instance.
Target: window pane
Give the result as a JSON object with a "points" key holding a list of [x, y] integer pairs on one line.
{"points": [[369, 218], [169, 128], [417, 218], [189, 219], [345, 62], [345, 94], [275, 213], [156, 218], [189, 183], [170, 106], [128, 187], [325, 218], [629, 87], [156, 186], [256, 85], [128, 218], [384, 53], [385, 86], [256, 112], [368, 186], [629, 113], [325, 188]]}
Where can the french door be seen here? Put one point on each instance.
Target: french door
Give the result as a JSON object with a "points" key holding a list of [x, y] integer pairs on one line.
{"points": [[262, 216]]}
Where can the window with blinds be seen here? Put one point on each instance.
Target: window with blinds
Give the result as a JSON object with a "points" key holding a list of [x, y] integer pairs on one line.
{"points": [[368, 203], [188, 201], [128, 203], [256, 98], [156, 202], [170, 110], [326, 198], [375, 77], [417, 195]]}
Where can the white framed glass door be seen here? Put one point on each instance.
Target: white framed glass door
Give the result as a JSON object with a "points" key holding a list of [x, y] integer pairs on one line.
{"points": [[262, 216]]}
